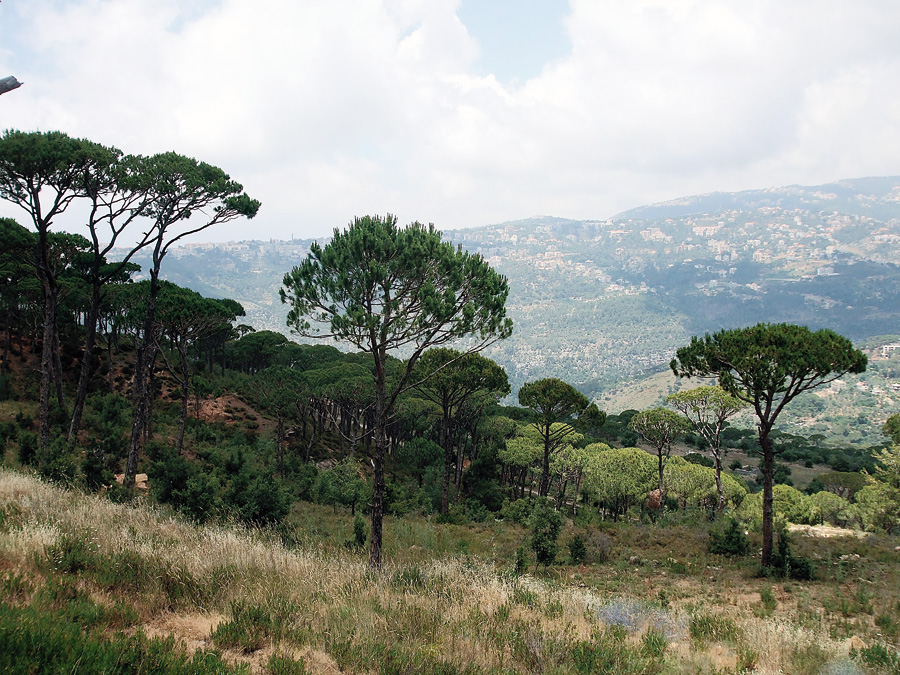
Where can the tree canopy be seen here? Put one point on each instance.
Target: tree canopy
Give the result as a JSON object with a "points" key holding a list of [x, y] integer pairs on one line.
{"points": [[556, 405], [384, 288], [767, 366]]}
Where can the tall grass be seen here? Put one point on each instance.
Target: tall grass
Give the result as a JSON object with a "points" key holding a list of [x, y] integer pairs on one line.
{"points": [[314, 605]]}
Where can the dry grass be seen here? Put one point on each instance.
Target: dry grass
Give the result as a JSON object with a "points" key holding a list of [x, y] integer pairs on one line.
{"points": [[324, 604]]}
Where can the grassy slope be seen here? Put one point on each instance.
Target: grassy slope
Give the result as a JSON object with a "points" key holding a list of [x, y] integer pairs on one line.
{"points": [[659, 604]]}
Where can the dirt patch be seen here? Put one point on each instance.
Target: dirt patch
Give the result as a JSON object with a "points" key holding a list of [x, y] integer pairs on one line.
{"points": [[229, 409], [140, 481], [191, 629], [826, 531], [214, 410]]}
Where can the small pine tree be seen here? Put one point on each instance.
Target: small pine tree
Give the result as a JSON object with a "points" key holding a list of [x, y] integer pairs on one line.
{"points": [[730, 541], [359, 531], [545, 524], [577, 549]]}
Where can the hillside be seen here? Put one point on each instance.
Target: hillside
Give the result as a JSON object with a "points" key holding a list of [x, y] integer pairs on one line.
{"points": [[604, 303], [92, 586]]}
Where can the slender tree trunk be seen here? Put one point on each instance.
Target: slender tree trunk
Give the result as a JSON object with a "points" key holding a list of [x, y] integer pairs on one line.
{"points": [[185, 395], [87, 362], [150, 392], [460, 449], [7, 343], [110, 375], [378, 460], [47, 363], [279, 440], [561, 493], [720, 490], [545, 467], [768, 499], [448, 464], [662, 486], [143, 367], [139, 423], [57, 374]]}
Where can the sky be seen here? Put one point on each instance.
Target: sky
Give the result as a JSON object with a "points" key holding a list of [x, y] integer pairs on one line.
{"points": [[466, 112]]}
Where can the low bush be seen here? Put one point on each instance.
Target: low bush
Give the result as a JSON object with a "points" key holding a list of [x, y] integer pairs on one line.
{"points": [[730, 540], [784, 564]]}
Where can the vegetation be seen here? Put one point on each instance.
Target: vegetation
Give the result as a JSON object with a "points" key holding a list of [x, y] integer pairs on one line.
{"points": [[243, 547], [383, 288], [224, 598], [767, 366]]}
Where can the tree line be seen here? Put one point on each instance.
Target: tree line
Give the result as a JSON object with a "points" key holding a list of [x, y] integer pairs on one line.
{"points": [[416, 398]]}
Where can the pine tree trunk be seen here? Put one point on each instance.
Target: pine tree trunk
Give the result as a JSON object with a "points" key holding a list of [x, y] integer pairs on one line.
{"points": [[87, 359], [768, 525], [378, 460]]}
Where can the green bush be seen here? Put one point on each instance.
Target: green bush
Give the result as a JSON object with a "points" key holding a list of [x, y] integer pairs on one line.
{"points": [[6, 388], [518, 511], [577, 549], [879, 656], [281, 664], [247, 630], [785, 564], [37, 640], [545, 523], [257, 498], [96, 475], [28, 445], [730, 540], [360, 533]]}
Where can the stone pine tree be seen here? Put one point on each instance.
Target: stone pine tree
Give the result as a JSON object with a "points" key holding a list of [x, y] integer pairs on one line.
{"points": [[708, 409], [43, 174], [185, 196], [768, 366], [384, 288], [660, 428], [556, 405], [113, 190], [185, 317], [451, 379]]}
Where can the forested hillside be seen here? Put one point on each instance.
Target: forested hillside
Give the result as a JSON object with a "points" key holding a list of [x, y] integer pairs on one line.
{"points": [[269, 463], [605, 303]]}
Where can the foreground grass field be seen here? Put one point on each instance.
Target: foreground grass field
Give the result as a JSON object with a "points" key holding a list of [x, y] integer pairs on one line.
{"points": [[89, 586]]}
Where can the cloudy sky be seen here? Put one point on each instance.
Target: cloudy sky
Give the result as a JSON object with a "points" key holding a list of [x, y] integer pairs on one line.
{"points": [[467, 112]]}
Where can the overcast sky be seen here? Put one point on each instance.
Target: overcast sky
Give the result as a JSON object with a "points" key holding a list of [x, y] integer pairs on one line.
{"points": [[466, 112]]}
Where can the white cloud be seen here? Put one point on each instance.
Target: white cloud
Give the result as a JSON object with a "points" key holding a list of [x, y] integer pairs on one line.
{"points": [[326, 110]]}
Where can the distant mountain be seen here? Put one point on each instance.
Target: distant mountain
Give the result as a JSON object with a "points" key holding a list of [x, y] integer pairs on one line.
{"points": [[878, 196], [602, 303]]}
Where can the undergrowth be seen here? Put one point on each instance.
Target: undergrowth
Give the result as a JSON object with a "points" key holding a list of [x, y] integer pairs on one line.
{"points": [[84, 580]]}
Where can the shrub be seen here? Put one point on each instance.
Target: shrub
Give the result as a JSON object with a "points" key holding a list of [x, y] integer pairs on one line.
{"points": [[517, 511], [577, 549], [545, 523], [360, 534], [24, 421], [258, 499], [28, 445], [521, 560], [58, 466], [96, 475], [247, 630], [730, 540], [599, 545], [786, 565], [6, 389], [879, 656]]}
